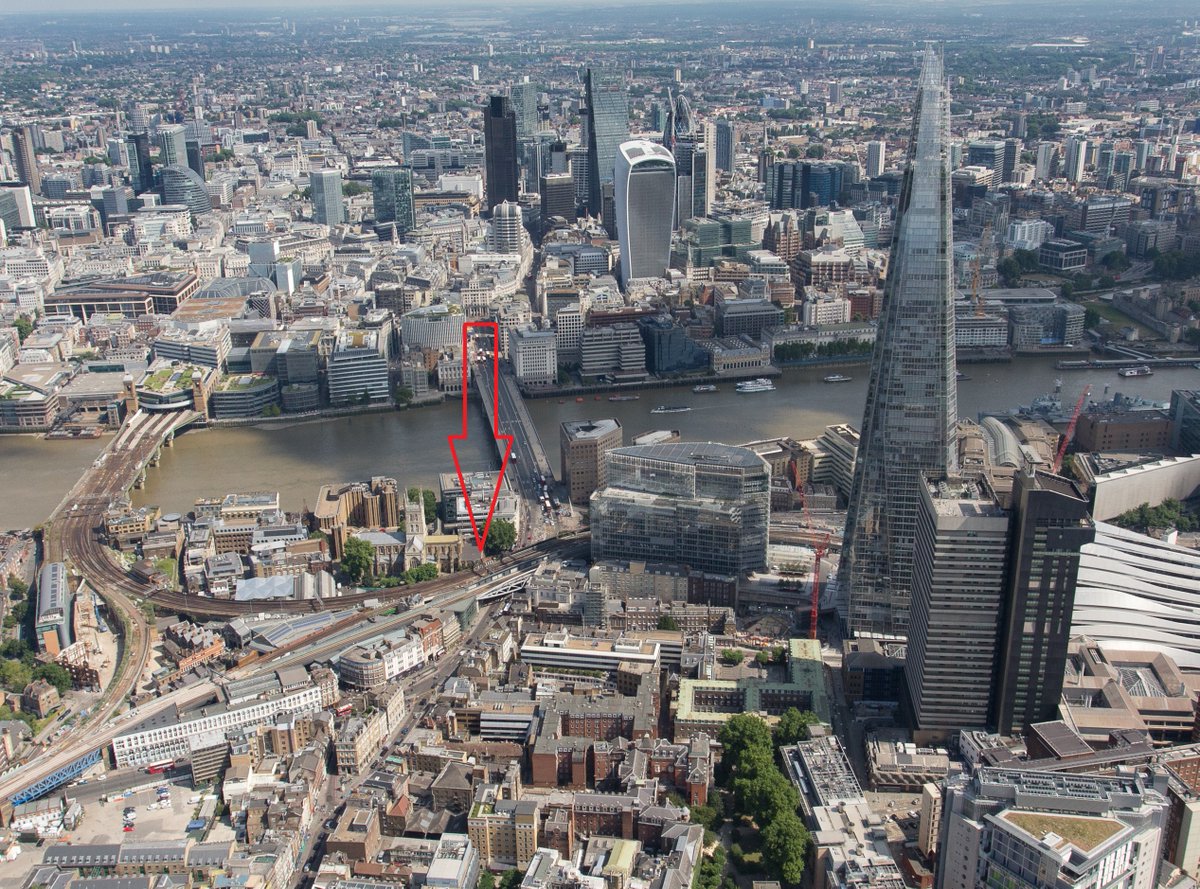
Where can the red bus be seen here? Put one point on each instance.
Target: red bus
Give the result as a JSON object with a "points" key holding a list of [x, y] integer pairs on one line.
{"points": [[343, 710], [157, 767]]}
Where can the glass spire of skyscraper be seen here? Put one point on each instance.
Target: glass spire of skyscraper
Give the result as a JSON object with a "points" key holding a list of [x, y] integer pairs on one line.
{"points": [[911, 411], [607, 109]]}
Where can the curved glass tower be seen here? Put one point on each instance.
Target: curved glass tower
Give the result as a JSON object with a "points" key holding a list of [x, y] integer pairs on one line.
{"points": [[644, 200], [607, 115], [182, 185], [909, 421]]}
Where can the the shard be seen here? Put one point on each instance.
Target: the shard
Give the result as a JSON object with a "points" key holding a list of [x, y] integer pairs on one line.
{"points": [[909, 421]]}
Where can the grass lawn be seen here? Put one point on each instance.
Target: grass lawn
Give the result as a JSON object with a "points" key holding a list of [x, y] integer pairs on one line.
{"points": [[1111, 313], [1083, 833]]}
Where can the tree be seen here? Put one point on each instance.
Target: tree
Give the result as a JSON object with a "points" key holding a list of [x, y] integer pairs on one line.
{"points": [[17, 587], [350, 188], [785, 847], [733, 656], [666, 622], [486, 881], [419, 573], [1009, 271], [24, 327], [793, 726], [14, 676], [1091, 319], [431, 506], [762, 659], [404, 395], [511, 879], [501, 537], [55, 674], [357, 559], [743, 732]]}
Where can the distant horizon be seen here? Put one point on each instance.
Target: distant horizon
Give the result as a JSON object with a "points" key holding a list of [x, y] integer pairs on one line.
{"points": [[276, 7]]}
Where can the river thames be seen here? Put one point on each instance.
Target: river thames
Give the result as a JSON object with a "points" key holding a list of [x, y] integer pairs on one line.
{"points": [[297, 458]]}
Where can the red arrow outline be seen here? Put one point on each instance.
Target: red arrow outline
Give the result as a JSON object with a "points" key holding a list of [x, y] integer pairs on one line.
{"points": [[481, 539]]}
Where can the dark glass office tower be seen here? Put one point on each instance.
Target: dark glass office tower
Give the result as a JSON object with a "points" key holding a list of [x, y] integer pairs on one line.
{"points": [[500, 151], [607, 113], [911, 411], [195, 158], [25, 159], [392, 196], [141, 171], [1051, 524]]}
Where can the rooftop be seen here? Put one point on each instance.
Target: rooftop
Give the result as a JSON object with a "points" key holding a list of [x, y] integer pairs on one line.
{"points": [[1082, 832]]}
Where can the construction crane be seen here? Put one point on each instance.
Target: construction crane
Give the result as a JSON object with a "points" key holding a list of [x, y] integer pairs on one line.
{"points": [[819, 550], [977, 269], [1069, 434]]}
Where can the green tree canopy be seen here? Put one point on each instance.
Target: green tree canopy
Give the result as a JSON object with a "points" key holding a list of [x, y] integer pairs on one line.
{"points": [[431, 506], [357, 559], [666, 622], [733, 656], [785, 846], [793, 726], [55, 674], [24, 327], [501, 537]]}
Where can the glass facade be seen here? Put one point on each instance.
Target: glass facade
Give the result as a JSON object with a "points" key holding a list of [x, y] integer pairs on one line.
{"points": [[500, 151], [182, 185], [327, 197], [392, 195], [911, 410], [607, 118], [706, 506], [645, 208]]}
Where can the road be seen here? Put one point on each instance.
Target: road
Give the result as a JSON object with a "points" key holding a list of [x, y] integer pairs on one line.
{"points": [[77, 743]]}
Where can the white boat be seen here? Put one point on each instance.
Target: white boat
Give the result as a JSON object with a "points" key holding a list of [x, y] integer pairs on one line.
{"points": [[704, 387], [1140, 371], [762, 384], [670, 409], [837, 378]]}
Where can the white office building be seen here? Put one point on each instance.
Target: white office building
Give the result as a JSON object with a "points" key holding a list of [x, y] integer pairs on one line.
{"points": [[645, 208], [534, 354]]}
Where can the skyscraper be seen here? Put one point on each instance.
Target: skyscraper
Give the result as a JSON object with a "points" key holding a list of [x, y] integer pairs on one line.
{"points": [[957, 595], [26, 159], [500, 151], [988, 153], [141, 169], [524, 104], [1076, 159], [1051, 525], [606, 111], [726, 145], [327, 197], [392, 197], [172, 144], [181, 185], [875, 156], [195, 158], [911, 410], [645, 208], [558, 196]]}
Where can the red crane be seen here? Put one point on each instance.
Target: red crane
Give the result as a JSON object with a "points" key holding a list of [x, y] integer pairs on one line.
{"points": [[1070, 433], [819, 550]]}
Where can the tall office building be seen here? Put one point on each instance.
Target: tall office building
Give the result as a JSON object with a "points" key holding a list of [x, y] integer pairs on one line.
{"points": [[606, 112], [957, 592], [1012, 154], [726, 145], [181, 185], [988, 153], [1076, 159], [875, 158], [795, 185], [1052, 524], [583, 447], [25, 159], [172, 144], [1047, 154], [524, 105], [645, 208], [141, 169], [327, 197], [195, 157], [704, 505], [392, 197], [558, 196], [500, 151], [911, 411], [508, 229]]}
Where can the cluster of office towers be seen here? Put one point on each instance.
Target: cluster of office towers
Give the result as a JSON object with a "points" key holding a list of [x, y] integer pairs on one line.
{"points": [[979, 582], [641, 190]]}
